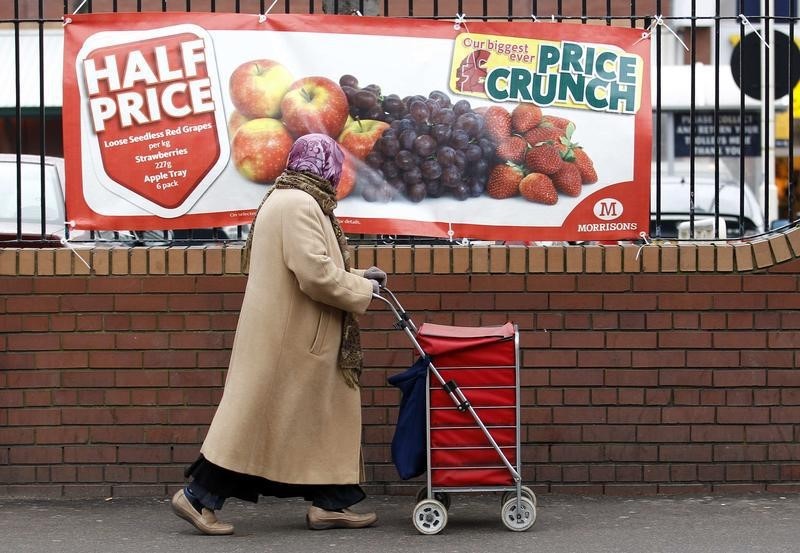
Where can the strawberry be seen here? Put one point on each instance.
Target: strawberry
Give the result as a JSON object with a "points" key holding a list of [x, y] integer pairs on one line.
{"points": [[585, 166], [504, 181], [537, 187], [543, 133], [543, 157], [512, 148], [525, 117], [559, 122], [567, 180], [497, 123]]}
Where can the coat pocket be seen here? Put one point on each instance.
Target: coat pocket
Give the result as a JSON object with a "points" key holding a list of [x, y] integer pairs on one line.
{"points": [[322, 331]]}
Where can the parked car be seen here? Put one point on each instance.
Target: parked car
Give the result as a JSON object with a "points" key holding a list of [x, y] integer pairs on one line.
{"points": [[28, 231], [676, 213]]}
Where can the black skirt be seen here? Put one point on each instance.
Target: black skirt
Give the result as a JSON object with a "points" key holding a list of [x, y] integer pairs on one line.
{"points": [[227, 483]]}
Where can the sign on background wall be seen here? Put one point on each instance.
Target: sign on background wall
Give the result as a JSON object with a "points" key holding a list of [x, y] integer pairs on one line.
{"points": [[722, 133], [503, 131]]}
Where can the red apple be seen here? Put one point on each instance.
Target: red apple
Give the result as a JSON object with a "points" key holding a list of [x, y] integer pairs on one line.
{"points": [[236, 120], [315, 104], [257, 88], [347, 180], [260, 148], [360, 136]]}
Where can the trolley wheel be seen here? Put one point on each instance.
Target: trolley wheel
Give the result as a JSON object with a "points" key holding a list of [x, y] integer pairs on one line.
{"points": [[518, 520], [430, 517], [441, 497], [526, 492]]}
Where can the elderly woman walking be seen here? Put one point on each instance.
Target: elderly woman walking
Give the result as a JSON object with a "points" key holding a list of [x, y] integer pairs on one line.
{"points": [[289, 422]]}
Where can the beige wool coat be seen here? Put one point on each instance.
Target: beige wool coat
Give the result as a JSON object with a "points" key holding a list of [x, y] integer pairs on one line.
{"points": [[286, 413]]}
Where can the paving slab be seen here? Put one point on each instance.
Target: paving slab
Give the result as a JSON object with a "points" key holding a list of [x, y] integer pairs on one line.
{"points": [[565, 524]]}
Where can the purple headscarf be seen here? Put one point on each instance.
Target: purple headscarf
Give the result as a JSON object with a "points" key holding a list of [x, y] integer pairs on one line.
{"points": [[318, 154]]}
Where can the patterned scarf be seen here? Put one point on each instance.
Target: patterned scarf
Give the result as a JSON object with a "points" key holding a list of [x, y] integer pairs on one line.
{"points": [[351, 358]]}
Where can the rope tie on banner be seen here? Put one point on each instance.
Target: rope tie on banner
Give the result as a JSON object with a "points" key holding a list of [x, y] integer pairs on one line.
{"points": [[658, 20], [65, 242], [749, 25], [647, 242], [451, 233], [262, 17], [533, 17], [66, 21], [460, 18]]}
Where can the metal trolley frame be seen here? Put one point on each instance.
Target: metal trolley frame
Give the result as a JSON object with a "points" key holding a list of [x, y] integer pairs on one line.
{"points": [[518, 505]]}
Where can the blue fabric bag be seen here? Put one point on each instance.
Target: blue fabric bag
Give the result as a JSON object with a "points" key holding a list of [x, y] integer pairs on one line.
{"points": [[409, 441]]}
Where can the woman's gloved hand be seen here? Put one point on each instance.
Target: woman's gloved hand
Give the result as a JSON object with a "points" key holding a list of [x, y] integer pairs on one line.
{"points": [[376, 288], [376, 275]]}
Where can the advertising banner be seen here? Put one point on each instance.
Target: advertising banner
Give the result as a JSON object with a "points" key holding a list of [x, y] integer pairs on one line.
{"points": [[500, 131]]}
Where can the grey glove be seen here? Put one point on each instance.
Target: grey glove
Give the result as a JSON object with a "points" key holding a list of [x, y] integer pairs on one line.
{"points": [[376, 289], [375, 274]]}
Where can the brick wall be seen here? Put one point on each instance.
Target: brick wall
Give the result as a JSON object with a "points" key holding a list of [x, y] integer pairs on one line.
{"points": [[656, 370]]}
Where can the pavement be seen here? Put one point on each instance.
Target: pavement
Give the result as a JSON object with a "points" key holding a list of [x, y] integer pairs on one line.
{"points": [[574, 524]]}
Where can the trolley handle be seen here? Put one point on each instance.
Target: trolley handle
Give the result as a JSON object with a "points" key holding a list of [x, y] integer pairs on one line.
{"points": [[403, 318]]}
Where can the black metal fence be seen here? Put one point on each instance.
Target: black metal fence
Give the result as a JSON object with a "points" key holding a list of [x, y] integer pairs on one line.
{"points": [[734, 143]]}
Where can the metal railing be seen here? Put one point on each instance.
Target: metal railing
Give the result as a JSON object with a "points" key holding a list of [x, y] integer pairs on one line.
{"points": [[692, 44]]}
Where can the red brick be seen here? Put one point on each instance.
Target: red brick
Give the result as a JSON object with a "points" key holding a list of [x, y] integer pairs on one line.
{"points": [[686, 320], [685, 453], [144, 322], [784, 339], [634, 415], [35, 455], [767, 358], [717, 433], [142, 341], [83, 303], [684, 301], [142, 454], [685, 377], [790, 414], [636, 302], [143, 303], [90, 454], [87, 415], [206, 284], [606, 283], [87, 341], [576, 377], [32, 379], [32, 304], [658, 358], [662, 433], [551, 283], [576, 396], [87, 379], [576, 453], [712, 358], [569, 339], [659, 283], [743, 415], [34, 342], [57, 285], [714, 283], [738, 453], [623, 377], [481, 302], [684, 339], [141, 378], [631, 452], [740, 377], [739, 301], [687, 415], [115, 359]]}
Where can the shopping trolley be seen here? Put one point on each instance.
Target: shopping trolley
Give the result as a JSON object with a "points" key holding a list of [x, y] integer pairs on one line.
{"points": [[472, 418]]}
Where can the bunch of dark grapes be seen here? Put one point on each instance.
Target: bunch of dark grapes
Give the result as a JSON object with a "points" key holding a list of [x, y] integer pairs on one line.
{"points": [[435, 149], [432, 148], [369, 103]]}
